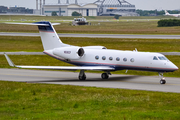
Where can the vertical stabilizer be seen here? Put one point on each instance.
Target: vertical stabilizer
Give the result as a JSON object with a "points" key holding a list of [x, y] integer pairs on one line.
{"points": [[49, 37], [166, 12]]}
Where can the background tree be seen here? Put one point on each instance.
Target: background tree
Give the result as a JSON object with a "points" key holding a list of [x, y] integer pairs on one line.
{"points": [[54, 13], [168, 23], [76, 14], [116, 16]]}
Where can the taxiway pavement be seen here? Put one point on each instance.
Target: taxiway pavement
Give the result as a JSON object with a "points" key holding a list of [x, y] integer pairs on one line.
{"points": [[148, 83], [98, 35]]}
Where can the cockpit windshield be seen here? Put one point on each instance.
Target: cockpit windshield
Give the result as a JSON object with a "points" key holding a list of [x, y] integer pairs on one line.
{"points": [[155, 58], [162, 58]]}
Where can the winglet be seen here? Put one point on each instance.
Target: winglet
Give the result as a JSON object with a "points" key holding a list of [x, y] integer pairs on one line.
{"points": [[9, 61]]}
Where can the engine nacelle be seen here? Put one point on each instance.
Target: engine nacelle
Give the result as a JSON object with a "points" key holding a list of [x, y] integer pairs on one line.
{"points": [[95, 47], [71, 53]]}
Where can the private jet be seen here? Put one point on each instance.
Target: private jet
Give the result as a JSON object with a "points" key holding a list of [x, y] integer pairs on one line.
{"points": [[97, 58]]}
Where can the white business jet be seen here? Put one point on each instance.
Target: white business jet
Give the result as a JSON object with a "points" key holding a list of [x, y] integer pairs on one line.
{"points": [[96, 57], [175, 15]]}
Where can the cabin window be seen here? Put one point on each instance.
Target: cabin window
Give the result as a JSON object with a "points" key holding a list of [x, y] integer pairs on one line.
{"points": [[155, 58], [97, 57], [125, 59], [162, 58], [132, 60], [104, 58], [110, 58], [117, 59]]}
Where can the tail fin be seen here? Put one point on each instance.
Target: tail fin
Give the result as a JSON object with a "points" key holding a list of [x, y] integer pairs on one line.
{"points": [[49, 37], [166, 12]]}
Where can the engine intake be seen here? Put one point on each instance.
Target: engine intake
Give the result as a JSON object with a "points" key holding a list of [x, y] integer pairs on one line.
{"points": [[81, 52]]}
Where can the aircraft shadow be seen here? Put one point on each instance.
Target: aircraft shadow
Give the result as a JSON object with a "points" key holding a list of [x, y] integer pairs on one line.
{"points": [[123, 78]]}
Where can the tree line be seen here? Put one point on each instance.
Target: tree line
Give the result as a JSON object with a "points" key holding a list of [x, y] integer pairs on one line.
{"points": [[168, 23]]}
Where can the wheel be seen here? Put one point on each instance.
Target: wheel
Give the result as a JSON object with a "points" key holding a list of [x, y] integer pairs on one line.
{"points": [[82, 77], [162, 81], [104, 76]]}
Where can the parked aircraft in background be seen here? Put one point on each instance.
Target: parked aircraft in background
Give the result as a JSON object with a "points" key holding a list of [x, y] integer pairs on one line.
{"points": [[175, 15], [96, 57]]}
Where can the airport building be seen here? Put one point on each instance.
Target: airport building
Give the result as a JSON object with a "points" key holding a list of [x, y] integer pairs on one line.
{"points": [[67, 9], [115, 7], [3, 9], [98, 8], [15, 10]]}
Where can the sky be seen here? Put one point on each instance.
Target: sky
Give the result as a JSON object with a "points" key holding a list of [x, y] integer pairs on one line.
{"points": [[140, 4]]}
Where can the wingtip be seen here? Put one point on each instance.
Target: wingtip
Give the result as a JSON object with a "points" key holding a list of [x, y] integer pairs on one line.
{"points": [[9, 60]]}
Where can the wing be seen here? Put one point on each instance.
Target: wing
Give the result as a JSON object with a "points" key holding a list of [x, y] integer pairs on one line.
{"points": [[99, 68]]}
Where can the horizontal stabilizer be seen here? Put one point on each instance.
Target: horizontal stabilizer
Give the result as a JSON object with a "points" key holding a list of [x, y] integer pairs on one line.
{"points": [[37, 24]]}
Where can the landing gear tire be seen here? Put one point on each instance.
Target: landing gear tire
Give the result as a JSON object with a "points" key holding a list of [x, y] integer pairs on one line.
{"points": [[82, 77], [104, 76], [162, 81]]}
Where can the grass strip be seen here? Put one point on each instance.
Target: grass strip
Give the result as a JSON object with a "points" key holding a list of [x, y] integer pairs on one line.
{"points": [[99, 27], [33, 44], [44, 101]]}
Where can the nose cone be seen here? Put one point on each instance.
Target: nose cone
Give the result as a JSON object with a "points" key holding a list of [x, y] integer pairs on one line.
{"points": [[174, 67]]}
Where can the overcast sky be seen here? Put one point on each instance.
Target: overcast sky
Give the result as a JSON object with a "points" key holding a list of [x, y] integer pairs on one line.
{"points": [[140, 4]]}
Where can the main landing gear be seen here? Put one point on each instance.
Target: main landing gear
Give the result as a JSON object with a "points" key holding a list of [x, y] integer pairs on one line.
{"points": [[82, 75], [105, 75], [162, 81]]}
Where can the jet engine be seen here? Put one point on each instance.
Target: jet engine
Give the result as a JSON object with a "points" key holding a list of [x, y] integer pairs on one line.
{"points": [[71, 53]]}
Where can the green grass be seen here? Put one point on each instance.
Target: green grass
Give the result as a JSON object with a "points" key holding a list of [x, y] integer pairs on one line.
{"points": [[33, 44], [108, 25], [11, 43], [44, 101], [56, 18]]}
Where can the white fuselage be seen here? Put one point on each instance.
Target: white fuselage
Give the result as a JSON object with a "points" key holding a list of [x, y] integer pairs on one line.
{"points": [[120, 60]]}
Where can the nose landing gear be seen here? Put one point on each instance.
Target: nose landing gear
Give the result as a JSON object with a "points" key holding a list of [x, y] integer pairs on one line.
{"points": [[162, 81]]}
